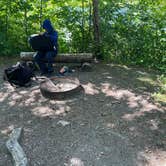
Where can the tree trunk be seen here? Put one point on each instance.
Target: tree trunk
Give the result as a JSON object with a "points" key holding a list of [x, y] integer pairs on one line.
{"points": [[83, 26], [41, 14], [97, 35], [90, 19], [25, 24], [7, 20]]}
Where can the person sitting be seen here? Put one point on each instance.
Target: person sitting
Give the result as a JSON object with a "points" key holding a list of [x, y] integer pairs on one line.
{"points": [[45, 59]]}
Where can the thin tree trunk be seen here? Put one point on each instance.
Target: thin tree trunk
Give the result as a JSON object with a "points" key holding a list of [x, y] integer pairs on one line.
{"points": [[97, 35], [41, 14], [90, 22], [83, 26], [6, 20], [25, 24]]}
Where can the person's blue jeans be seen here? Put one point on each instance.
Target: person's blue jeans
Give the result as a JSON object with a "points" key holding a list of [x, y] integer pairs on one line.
{"points": [[45, 60]]}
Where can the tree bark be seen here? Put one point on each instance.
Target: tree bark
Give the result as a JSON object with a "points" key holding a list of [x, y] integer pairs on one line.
{"points": [[90, 19], [25, 23], [96, 25], [83, 27], [7, 20], [41, 14]]}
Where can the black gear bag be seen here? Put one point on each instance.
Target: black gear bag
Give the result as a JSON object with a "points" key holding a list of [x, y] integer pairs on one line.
{"points": [[19, 75]]}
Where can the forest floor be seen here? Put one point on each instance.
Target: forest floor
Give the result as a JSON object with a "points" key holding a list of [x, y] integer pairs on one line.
{"points": [[115, 122]]}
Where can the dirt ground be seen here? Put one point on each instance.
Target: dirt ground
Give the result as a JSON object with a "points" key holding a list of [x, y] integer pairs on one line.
{"points": [[115, 122]]}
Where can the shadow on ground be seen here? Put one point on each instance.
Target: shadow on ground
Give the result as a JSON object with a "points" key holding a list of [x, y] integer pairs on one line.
{"points": [[115, 122]]}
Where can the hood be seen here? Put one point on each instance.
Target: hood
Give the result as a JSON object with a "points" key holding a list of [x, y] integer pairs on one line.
{"points": [[47, 26]]}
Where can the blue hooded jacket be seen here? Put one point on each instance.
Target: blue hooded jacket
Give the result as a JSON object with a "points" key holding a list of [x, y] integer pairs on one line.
{"points": [[51, 32]]}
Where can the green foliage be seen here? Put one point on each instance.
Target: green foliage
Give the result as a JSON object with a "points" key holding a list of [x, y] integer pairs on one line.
{"points": [[133, 31], [21, 18], [161, 94]]}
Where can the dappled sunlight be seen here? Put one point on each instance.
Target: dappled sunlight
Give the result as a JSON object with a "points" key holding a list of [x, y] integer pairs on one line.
{"points": [[140, 103], [51, 110], [133, 100], [142, 109], [153, 158], [28, 102], [154, 124], [106, 73], [15, 96], [32, 98], [117, 94], [148, 80], [147, 106], [62, 110], [91, 89], [109, 77], [110, 125], [8, 87], [54, 102], [7, 130], [143, 106], [43, 111], [76, 162], [21, 96], [23, 92], [130, 117], [142, 73], [12, 103], [3, 96], [118, 65]]}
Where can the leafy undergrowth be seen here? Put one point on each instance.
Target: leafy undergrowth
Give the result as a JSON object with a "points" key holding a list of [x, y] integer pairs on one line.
{"points": [[161, 94]]}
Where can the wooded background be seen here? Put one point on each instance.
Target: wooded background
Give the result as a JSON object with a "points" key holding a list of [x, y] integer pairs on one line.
{"points": [[123, 31]]}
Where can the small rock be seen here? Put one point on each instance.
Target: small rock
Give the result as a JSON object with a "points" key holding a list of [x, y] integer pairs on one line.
{"points": [[101, 100], [115, 102], [63, 122], [102, 153], [76, 162], [103, 114]]}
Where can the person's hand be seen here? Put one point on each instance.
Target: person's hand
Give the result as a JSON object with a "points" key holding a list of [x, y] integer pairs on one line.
{"points": [[41, 33], [46, 35]]}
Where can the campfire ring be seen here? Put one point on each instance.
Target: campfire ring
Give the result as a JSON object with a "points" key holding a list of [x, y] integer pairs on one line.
{"points": [[60, 88]]}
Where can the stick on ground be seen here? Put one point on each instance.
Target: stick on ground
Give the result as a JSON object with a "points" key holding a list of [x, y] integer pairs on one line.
{"points": [[15, 149]]}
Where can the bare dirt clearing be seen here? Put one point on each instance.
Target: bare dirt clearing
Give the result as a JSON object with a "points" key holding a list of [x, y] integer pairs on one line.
{"points": [[114, 123]]}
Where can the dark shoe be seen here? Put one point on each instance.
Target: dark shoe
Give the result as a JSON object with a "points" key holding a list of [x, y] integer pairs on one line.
{"points": [[50, 74], [43, 74], [50, 71], [60, 74]]}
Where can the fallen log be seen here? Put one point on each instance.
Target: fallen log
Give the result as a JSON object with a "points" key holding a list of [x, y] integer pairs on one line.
{"points": [[62, 58], [15, 149]]}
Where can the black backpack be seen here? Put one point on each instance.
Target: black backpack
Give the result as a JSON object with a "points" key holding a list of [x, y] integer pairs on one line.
{"points": [[19, 75], [40, 42]]}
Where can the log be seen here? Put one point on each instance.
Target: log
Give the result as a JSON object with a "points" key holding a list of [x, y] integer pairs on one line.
{"points": [[62, 58], [15, 149]]}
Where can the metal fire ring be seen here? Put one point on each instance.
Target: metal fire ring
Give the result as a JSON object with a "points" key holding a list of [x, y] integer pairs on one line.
{"points": [[60, 88]]}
